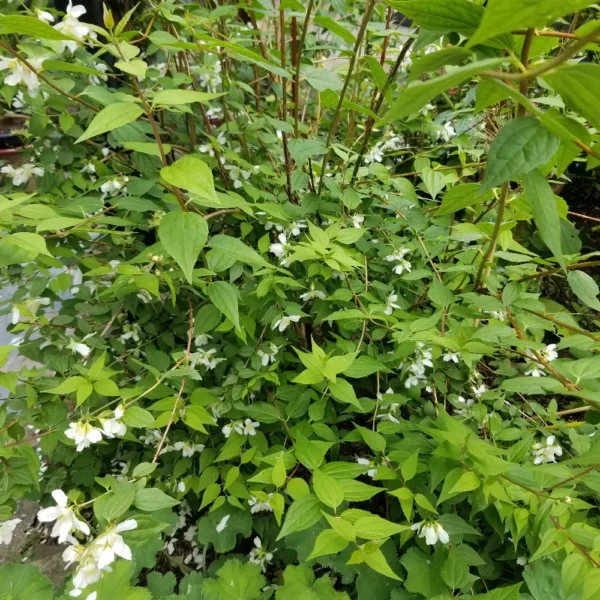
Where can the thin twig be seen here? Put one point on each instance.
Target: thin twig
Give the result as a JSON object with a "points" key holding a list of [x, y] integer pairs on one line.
{"points": [[299, 64]]}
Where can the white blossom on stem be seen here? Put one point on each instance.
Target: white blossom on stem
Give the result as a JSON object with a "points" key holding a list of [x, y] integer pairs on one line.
{"points": [[259, 556], [83, 434], [547, 451], [21, 175], [7, 529], [285, 321], [432, 531], [65, 518]]}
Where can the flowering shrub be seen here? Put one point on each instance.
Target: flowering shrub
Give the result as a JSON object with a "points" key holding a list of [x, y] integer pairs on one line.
{"points": [[300, 312]]}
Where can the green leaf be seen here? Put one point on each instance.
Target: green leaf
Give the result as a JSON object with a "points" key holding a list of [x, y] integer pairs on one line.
{"points": [[302, 514], [461, 196], [502, 16], [30, 26], [439, 294], [335, 28], [342, 391], [144, 469], [234, 248], [191, 173], [455, 571], [328, 542], [414, 97], [177, 96], [68, 386], [377, 528], [152, 499], [373, 556], [224, 296], [467, 482], [409, 466], [112, 505], [309, 453], [436, 60], [579, 87], [442, 16], [135, 416], [239, 523], [32, 242], [197, 417], [301, 150], [328, 490], [183, 235], [59, 65], [585, 288], [374, 440], [424, 573], [150, 148], [521, 145], [111, 117], [235, 581], [300, 584], [357, 491], [510, 592], [279, 474], [24, 582], [545, 212]]}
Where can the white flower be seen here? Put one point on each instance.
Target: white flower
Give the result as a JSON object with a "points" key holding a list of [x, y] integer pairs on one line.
{"points": [[188, 449], [285, 322], [114, 427], [402, 266], [392, 412], [432, 531], [451, 356], [391, 304], [45, 16], [113, 186], [7, 529], [202, 339], [367, 463], [479, 390], [250, 427], [181, 487], [222, 523], [546, 452], [235, 172], [397, 255], [70, 25], [269, 356], [236, 426], [19, 101], [21, 73], [375, 155], [296, 227], [259, 556], [22, 174], [110, 544], [83, 434], [411, 381], [206, 358], [496, 314], [260, 506], [549, 353], [310, 295], [447, 132], [79, 348], [88, 571], [522, 561], [97, 79], [65, 518], [535, 370], [281, 248], [130, 332], [358, 220]]}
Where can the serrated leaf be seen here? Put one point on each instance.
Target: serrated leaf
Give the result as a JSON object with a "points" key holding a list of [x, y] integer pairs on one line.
{"points": [[224, 296], [461, 196], [234, 248], [302, 514], [585, 288], [521, 145], [32, 242], [342, 391], [328, 542], [191, 173], [151, 499], [328, 490]]}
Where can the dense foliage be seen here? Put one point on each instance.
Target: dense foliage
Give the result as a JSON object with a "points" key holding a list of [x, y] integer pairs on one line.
{"points": [[301, 312]]}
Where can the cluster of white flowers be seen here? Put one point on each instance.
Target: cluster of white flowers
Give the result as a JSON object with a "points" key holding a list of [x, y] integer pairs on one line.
{"points": [[73, 27], [189, 536], [97, 555], [451, 357], [84, 434], [79, 347], [268, 355], [208, 147], [496, 314], [547, 451], [131, 331], [21, 175], [7, 528], [285, 321], [187, 449], [247, 427], [432, 531], [391, 304], [238, 175], [211, 80], [422, 359], [446, 132], [358, 220], [466, 404], [402, 265], [259, 556]]}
